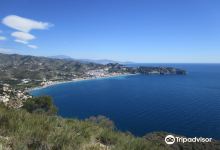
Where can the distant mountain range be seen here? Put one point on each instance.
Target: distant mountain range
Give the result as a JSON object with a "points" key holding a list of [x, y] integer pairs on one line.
{"points": [[14, 66], [98, 61]]}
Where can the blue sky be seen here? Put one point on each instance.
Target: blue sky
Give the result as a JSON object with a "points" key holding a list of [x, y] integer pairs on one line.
{"points": [[153, 31]]}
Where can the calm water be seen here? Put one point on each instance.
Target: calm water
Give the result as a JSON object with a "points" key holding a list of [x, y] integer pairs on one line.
{"points": [[187, 105]]}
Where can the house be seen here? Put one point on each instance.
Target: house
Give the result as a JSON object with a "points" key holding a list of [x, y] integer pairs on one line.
{"points": [[25, 81], [4, 99], [5, 87]]}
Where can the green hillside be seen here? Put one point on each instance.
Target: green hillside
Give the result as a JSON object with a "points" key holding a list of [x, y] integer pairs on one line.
{"points": [[33, 128]]}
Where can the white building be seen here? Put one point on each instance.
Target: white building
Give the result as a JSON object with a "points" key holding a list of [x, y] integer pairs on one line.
{"points": [[25, 81], [4, 99], [5, 87]]}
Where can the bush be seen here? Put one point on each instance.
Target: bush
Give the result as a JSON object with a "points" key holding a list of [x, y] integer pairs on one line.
{"points": [[102, 121], [43, 104], [40, 131], [20, 130], [108, 137]]}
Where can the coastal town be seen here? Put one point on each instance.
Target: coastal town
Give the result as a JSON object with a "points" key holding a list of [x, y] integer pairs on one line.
{"points": [[11, 97], [92, 74], [14, 98], [26, 73]]}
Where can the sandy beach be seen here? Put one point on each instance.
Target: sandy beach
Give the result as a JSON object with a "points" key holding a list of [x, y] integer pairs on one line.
{"points": [[52, 83]]}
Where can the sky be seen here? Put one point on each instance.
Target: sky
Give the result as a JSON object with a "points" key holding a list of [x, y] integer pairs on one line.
{"points": [[144, 31]]}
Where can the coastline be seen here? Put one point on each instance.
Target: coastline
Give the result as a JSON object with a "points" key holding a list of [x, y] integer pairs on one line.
{"points": [[77, 80]]}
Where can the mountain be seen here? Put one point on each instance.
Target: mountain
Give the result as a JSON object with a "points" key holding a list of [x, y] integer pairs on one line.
{"points": [[61, 57], [14, 66], [98, 61]]}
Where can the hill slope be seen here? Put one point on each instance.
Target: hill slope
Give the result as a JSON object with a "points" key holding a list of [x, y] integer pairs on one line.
{"points": [[20, 130], [21, 67]]}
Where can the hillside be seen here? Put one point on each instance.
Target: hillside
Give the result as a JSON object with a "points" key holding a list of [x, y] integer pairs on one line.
{"points": [[16, 66], [20, 67], [21, 130]]}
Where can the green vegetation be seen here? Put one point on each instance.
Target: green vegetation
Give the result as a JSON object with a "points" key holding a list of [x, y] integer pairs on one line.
{"points": [[23, 130], [16, 67], [43, 104], [102, 121], [27, 129]]}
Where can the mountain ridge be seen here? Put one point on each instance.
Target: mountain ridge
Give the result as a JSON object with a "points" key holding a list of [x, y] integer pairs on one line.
{"points": [[98, 61]]}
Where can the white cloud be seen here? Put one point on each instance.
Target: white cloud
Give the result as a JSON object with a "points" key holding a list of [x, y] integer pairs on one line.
{"points": [[24, 24], [2, 38], [23, 27], [21, 41], [32, 46], [23, 37]]}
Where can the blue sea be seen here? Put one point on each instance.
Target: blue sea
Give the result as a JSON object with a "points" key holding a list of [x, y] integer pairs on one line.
{"points": [[188, 105]]}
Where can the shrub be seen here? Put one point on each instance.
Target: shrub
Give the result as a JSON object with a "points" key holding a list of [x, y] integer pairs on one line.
{"points": [[108, 137], [102, 121], [40, 105]]}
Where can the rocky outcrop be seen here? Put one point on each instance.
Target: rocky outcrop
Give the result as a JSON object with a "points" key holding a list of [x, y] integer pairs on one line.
{"points": [[161, 70]]}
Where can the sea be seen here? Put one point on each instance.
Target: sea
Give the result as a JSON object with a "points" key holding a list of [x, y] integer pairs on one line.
{"points": [[186, 105]]}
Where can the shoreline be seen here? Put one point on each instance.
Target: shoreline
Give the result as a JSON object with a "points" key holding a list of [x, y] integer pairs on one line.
{"points": [[76, 80]]}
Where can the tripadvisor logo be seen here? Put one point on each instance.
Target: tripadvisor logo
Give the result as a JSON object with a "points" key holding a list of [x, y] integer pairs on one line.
{"points": [[170, 139]]}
